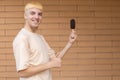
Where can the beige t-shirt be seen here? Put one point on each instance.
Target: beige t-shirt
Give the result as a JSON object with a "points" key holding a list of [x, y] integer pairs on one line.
{"points": [[31, 49]]}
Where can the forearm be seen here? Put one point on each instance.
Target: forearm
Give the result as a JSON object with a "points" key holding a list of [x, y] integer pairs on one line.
{"points": [[55, 62], [34, 70], [65, 49]]}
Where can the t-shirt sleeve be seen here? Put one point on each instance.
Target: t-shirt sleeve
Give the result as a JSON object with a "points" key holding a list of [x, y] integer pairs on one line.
{"points": [[50, 50], [21, 53]]}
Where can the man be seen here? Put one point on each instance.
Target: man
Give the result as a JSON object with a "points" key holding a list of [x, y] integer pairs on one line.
{"points": [[34, 58]]}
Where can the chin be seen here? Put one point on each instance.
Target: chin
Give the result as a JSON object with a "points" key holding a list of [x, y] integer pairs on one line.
{"points": [[35, 25]]}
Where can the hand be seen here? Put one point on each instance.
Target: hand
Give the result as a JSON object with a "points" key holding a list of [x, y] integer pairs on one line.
{"points": [[55, 62], [72, 36]]}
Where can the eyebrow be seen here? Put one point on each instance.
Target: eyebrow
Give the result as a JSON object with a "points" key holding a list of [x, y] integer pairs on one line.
{"points": [[38, 12]]}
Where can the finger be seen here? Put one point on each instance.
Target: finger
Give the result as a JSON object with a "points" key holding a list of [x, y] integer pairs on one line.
{"points": [[72, 37], [73, 31]]}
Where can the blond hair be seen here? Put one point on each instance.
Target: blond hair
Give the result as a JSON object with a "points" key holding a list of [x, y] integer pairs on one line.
{"points": [[33, 5]]}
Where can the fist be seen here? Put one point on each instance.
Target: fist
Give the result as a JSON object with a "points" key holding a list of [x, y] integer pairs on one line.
{"points": [[72, 36]]}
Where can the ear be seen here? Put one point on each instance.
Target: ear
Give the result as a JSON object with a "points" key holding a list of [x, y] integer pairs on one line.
{"points": [[25, 16]]}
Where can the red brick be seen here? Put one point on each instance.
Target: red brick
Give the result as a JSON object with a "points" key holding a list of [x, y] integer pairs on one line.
{"points": [[116, 67], [107, 61], [66, 2], [14, 8], [94, 67], [13, 2], [95, 78], [94, 55], [103, 14], [116, 78], [2, 8], [102, 2], [14, 20], [86, 2]]}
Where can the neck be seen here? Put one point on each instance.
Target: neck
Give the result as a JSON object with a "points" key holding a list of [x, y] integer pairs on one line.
{"points": [[31, 29]]}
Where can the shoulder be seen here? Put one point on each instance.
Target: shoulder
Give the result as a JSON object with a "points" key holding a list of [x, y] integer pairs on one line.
{"points": [[43, 38], [20, 37]]}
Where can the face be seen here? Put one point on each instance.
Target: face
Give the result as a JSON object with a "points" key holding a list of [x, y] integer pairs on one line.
{"points": [[33, 17]]}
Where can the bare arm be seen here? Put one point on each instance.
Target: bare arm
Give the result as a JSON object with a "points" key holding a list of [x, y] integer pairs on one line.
{"points": [[72, 38], [56, 62], [65, 49]]}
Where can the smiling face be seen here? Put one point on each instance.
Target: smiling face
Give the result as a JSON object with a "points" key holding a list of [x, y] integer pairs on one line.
{"points": [[33, 17]]}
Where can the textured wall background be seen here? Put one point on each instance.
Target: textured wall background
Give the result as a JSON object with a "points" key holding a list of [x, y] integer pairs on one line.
{"points": [[94, 56]]}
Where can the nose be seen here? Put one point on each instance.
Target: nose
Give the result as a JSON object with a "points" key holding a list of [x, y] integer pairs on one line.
{"points": [[36, 16]]}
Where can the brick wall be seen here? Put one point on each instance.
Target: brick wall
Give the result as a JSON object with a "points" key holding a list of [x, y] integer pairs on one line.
{"points": [[94, 56]]}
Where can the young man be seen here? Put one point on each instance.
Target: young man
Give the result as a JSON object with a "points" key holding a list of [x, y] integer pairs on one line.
{"points": [[34, 58]]}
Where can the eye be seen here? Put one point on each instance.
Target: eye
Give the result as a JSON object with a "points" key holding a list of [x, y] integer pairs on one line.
{"points": [[32, 12], [40, 14]]}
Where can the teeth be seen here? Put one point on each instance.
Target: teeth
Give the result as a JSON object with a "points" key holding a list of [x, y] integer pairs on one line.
{"points": [[35, 21]]}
